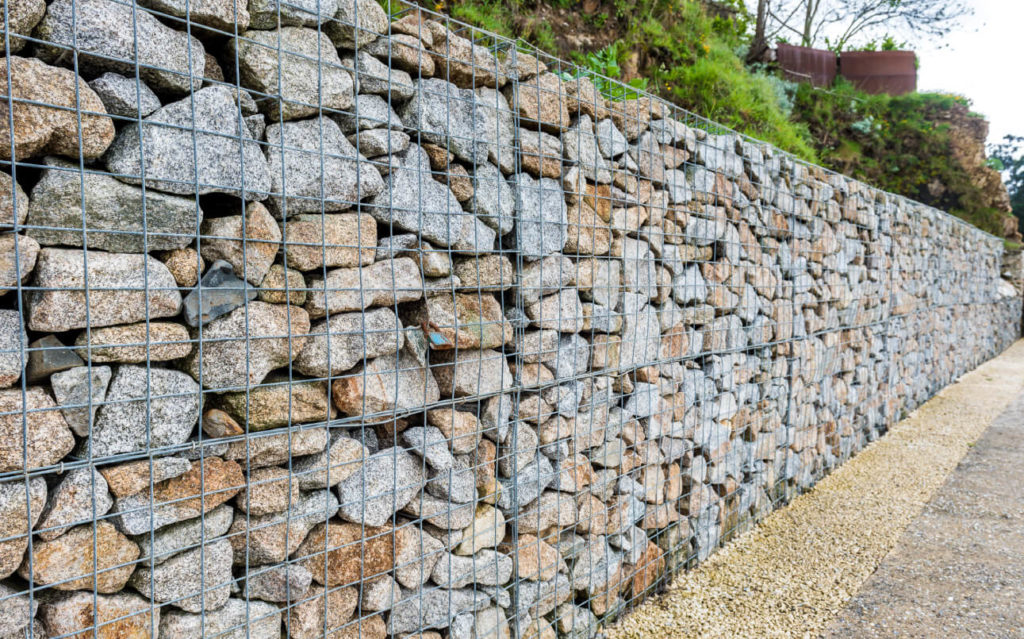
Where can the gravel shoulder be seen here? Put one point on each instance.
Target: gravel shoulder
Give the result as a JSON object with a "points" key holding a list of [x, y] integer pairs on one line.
{"points": [[793, 574]]}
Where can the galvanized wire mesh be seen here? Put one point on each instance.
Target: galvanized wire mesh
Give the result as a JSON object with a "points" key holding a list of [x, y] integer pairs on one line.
{"points": [[319, 321]]}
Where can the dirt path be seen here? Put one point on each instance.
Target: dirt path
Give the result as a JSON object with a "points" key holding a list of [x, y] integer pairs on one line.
{"points": [[958, 570], [798, 570]]}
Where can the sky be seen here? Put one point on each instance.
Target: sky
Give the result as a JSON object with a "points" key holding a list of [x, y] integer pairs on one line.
{"points": [[982, 61]]}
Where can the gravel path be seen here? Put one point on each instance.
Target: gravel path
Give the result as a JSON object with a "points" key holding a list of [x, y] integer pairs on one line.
{"points": [[795, 572], [958, 570]]}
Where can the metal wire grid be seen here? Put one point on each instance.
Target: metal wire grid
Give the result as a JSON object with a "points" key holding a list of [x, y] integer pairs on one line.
{"points": [[765, 405]]}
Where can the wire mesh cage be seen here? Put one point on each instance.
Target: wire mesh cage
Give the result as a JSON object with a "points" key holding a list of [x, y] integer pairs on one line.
{"points": [[324, 320]]}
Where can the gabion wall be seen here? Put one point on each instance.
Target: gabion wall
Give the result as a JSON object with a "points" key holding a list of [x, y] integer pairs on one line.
{"points": [[317, 321]]}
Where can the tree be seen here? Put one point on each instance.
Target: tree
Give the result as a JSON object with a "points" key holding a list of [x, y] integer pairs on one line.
{"points": [[1009, 158], [837, 23]]}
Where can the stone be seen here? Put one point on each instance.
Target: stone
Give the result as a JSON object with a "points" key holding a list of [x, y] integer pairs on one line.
{"points": [[134, 343], [384, 283], [267, 490], [249, 245], [123, 288], [541, 101], [487, 530], [497, 128], [373, 76], [689, 286], [416, 552], [297, 68], [82, 495], [490, 273], [18, 611], [115, 213], [377, 142], [386, 385], [23, 16], [271, 539], [440, 512], [357, 23], [341, 554], [21, 503], [494, 201], [433, 262], [431, 444], [306, 619], [270, 14], [347, 339], [204, 487], [541, 216], [463, 62], [416, 204], [124, 97], [51, 129], [237, 619], [444, 115], [425, 609], [82, 615], [526, 486], [283, 285], [337, 239], [343, 458], [460, 428], [457, 484], [114, 37], [32, 429], [536, 560], [219, 14], [540, 154], [379, 594], [133, 477], [18, 255], [70, 562], [194, 580], [464, 320], [13, 347], [314, 168], [486, 568], [282, 584], [278, 402], [581, 148], [72, 389], [545, 276], [225, 159], [185, 265], [490, 623], [610, 140], [386, 482], [562, 312], [144, 408], [271, 450], [471, 372], [47, 356], [219, 293], [374, 112], [269, 335], [641, 336], [588, 234]]}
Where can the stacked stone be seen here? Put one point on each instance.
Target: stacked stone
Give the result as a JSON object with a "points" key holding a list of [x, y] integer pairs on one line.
{"points": [[316, 321]]}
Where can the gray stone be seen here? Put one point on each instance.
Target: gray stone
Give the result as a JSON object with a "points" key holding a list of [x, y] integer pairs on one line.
{"points": [[298, 70], [475, 237], [569, 357], [318, 169], [641, 333], [124, 96], [373, 111], [218, 293], [430, 444], [495, 416], [526, 486], [13, 344], [195, 145], [238, 619], [280, 584], [219, 14], [425, 609], [383, 283], [123, 289], [638, 268], [441, 513], [581, 148], [497, 128], [248, 242], [493, 201], [336, 345], [595, 566], [21, 17], [270, 14], [538, 598], [47, 355], [170, 540], [471, 372], [416, 551], [242, 347], [32, 429], [487, 568], [518, 449], [195, 580], [456, 484], [111, 36], [545, 276], [376, 142], [270, 539], [18, 502], [81, 496], [373, 76], [18, 255], [610, 140], [689, 286], [145, 408], [169, 221], [339, 461], [379, 594], [415, 202], [541, 215], [357, 23], [13, 203], [445, 115], [386, 482], [17, 611]]}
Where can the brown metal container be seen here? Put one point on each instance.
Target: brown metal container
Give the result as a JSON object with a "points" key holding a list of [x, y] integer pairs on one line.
{"points": [[892, 72], [803, 64]]}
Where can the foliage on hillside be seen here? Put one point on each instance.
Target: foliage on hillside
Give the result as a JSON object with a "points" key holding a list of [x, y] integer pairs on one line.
{"points": [[692, 54]]}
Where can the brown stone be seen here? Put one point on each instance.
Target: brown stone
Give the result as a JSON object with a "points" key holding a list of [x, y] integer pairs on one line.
{"points": [[13, 271], [537, 560], [335, 239], [279, 402], [362, 628], [67, 562], [130, 478], [485, 273], [540, 154], [648, 570], [204, 487], [85, 615], [217, 423], [268, 490], [466, 320], [306, 619], [542, 100], [18, 502], [461, 429], [353, 552], [41, 130], [222, 240], [283, 285], [185, 265], [43, 438], [134, 343]]}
